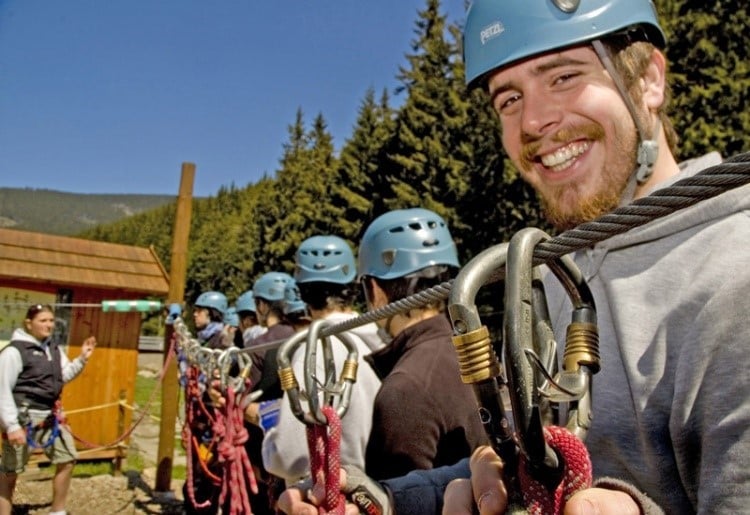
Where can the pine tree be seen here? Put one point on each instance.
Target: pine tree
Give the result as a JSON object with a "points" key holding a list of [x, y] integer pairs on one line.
{"points": [[707, 47], [300, 203], [360, 184], [421, 161]]}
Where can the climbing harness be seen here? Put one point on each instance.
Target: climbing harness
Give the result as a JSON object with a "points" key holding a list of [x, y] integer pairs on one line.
{"points": [[327, 398], [51, 422], [545, 462]]}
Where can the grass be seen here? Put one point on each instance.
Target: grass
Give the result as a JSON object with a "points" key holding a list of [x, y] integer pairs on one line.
{"points": [[144, 388]]}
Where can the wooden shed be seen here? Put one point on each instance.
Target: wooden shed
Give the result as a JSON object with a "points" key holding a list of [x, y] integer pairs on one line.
{"points": [[71, 272]]}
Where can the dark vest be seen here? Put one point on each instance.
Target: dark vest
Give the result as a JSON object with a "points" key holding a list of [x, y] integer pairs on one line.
{"points": [[40, 383]]}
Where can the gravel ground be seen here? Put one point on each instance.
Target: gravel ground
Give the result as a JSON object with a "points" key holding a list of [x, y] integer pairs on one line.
{"points": [[96, 495], [127, 493]]}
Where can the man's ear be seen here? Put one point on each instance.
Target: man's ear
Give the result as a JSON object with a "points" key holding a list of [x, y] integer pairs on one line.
{"points": [[654, 81], [379, 298]]}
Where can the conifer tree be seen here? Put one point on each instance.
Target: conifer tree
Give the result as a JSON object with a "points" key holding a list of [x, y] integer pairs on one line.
{"points": [[707, 47], [360, 184], [421, 161], [300, 204]]}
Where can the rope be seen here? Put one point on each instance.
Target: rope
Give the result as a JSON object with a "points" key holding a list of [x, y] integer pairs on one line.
{"points": [[324, 444], [145, 412], [577, 474], [231, 432], [194, 402]]}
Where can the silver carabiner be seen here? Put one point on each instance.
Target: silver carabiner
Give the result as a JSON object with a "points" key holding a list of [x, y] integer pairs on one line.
{"points": [[477, 358], [530, 351], [327, 390]]}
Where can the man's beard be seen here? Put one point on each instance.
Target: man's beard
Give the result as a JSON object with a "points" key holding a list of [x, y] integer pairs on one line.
{"points": [[566, 206]]}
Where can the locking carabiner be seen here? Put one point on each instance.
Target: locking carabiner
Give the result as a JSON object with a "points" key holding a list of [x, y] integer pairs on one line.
{"points": [[530, 352], [329, 391], [234, 369], [477, 359]]}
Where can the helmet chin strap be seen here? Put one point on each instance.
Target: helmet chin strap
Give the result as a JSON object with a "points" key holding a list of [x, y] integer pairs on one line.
{"points": [[648, 148]]}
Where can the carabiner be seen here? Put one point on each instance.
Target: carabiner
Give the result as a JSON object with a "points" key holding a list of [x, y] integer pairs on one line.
{"points": [[477, 358], [329, 389], [234, 366], [530, 352]]}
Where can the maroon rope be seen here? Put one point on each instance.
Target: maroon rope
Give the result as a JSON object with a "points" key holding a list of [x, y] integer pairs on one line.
{"points": [[324, 444]]}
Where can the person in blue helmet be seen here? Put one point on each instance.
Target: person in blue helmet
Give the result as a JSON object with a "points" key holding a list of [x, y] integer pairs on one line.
{"points": [[249, 326], [325, 272], [581, 93], [424, 416], [208, 315], [269, 292]]}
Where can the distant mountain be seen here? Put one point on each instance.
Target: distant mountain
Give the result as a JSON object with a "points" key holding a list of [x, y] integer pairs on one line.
{"points": [[57, 212]]}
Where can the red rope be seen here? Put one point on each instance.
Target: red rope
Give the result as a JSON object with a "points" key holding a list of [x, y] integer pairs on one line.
{"points": [[229, 428], [193, 400], [577, 474], [324, 444]]}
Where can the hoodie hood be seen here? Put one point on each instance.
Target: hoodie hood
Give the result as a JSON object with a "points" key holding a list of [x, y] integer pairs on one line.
{"points": [[368, 333], [23, 336], [703, 211]]}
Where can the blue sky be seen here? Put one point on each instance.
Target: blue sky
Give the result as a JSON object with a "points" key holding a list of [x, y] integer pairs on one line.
{"points": [[112, 96]]}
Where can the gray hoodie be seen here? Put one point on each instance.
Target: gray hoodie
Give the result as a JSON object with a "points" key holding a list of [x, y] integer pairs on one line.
{"points": [[285, 452], [672, 399]]}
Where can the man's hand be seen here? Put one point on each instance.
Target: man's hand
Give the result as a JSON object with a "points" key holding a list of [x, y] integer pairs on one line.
{"points": [[304, 498], [601, 501], [87, 347], [17, 437], [485, 489], [364, 495]]}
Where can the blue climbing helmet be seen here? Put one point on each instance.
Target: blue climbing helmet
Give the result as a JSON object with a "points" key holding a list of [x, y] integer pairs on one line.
{"points": [[231, 317], [402, 242], [245, 302], [212, 300], [293, 302], [500, 32], [270, 286], [326, 259]]}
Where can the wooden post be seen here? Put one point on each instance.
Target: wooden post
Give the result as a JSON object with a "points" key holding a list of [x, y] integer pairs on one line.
{"points": [[177, 276], [120, 450]]}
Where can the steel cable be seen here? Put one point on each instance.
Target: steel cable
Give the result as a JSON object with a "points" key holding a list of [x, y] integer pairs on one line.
{"points": [[708, 183]]}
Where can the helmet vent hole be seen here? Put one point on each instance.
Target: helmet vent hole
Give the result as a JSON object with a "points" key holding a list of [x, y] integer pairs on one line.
{"points": [[396, 229], [431, 243]]}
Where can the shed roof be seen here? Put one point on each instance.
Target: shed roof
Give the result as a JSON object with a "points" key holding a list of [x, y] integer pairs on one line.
{"points": [[77, 262]]}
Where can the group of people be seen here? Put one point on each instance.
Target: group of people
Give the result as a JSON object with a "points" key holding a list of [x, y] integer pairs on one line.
{"points": [[581, 93], [580, 89], [408, 408]]}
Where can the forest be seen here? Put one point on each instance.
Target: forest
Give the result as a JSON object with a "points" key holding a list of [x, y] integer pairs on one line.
{"points": [[439, 149]]}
